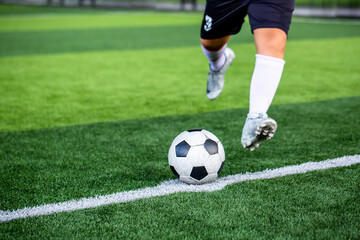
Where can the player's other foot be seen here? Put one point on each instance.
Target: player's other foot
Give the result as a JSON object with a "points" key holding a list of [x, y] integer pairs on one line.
{"points": [[258, 127], [215, 81]]}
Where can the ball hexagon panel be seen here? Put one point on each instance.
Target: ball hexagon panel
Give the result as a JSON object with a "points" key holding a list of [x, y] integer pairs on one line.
{"points": [[189, 180], [180, 138], [209, 178], [197, 156], [195, 138], [198, 173], [182, 166], [211, 146], [221, 151], [182, 149], [213, 164], [210, 135], [172, 155]]}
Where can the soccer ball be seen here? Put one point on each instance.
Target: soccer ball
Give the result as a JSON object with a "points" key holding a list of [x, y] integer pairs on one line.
{"points": [[196, 156]]}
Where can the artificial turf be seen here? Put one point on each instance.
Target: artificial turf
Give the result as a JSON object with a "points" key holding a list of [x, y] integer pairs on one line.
{"points": [[65, 89], [59, 164], [100, 67], [32, 36], [88, 106], [318, 205]]}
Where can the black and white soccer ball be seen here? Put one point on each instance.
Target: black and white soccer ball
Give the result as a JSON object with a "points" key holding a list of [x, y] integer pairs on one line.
{"points": [[196, 156]]}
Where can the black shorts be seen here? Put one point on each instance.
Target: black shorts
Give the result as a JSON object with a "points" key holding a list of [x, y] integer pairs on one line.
{"points": [[225, 17]]}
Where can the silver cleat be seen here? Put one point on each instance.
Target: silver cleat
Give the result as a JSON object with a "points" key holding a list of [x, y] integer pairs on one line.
{"points": [[215, 81], [258, 127]]}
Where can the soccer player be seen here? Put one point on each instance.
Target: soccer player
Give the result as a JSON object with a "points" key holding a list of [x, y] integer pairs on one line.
{"points": [[270, 22]]}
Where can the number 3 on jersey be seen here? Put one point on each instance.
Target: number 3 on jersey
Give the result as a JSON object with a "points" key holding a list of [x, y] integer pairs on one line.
{"points": [[208, 23]]}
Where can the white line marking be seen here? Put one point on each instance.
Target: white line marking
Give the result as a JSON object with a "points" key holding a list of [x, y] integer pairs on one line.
{"points": [[174, 186]]}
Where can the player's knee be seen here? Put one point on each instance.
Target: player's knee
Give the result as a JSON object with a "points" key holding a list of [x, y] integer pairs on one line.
{"points": [[214, 44], [270, 42], [210, 45], [276, 44]]}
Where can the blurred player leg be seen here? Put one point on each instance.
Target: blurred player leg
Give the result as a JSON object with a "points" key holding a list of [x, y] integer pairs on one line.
{"points": [[220, 58], [214, 44], [214, 50], [222, 18]]}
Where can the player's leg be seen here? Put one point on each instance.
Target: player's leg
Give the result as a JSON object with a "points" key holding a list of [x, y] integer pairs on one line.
{"points": [[270, 35], [270, 44], [214, 50], [222, 18], [220, 58], [216, 44]]}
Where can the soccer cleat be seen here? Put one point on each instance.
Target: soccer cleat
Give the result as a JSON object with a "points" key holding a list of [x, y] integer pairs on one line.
{"points": [[258, 127], [215, 81]]}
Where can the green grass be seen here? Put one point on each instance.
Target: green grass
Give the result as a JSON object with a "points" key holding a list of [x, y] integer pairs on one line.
{"points": [[18, 10], [89, 106], [60, 164], [319, 205], [125, 37], [37, 92], [53, 23]]}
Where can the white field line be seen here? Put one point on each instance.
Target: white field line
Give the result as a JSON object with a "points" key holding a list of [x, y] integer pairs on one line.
{"points": [[174, 186]]}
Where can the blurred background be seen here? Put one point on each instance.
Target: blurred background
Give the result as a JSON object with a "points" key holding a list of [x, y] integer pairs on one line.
{"points": [[314, 8]]}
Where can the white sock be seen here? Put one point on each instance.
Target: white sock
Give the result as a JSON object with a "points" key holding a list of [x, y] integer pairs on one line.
{"points": [[216, 58], [264, 82]]}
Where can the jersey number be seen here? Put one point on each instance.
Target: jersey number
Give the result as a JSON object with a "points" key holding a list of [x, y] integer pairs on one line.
{"points": [[208, 23]]}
